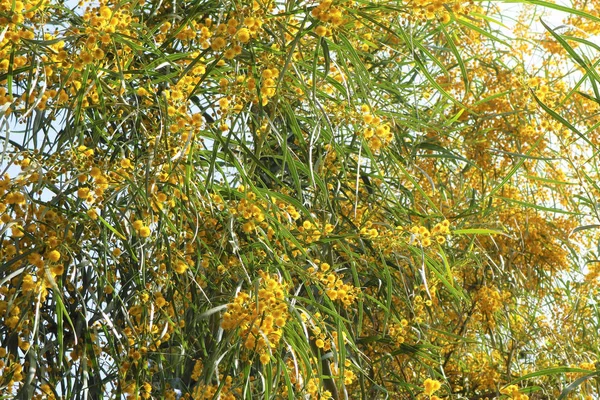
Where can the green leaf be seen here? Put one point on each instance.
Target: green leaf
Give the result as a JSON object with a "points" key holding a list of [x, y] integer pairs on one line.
{"points": [[537, 206], [575, 384], [477, 231]]}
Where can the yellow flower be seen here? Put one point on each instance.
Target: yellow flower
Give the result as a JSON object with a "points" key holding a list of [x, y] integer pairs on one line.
{"points": [[98, 54], [321, 30], [180, 267], [53, 256], [160, 301], [218, 43], [248, 227], [83, 193], [243, 35], [105, 12], [138, 224], [265, 358], [144, 231], [431, 386], [28, 283]]}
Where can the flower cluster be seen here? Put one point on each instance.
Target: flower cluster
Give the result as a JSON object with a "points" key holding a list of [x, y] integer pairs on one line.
{"points": [[328, 13], [260, 317], [334, 285], [514, 393], [138, 206], [376, 132], [208, 391], [430, 386], [250, 210], [398, 331], [311, 231], [425, 237]]}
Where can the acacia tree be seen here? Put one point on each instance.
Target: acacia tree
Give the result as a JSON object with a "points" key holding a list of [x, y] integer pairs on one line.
{"points": [[268, 199]]}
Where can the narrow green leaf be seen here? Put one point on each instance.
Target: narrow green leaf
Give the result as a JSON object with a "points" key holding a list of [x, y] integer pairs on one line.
{"points": [[550, 372], [111, 228], [477, 231], [537, 206], [557, 7], [585, 227]]}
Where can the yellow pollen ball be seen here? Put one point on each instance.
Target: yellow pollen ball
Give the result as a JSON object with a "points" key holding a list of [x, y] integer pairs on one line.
{"points": [[54, 256], [265, 358], [137, 225], [180, 267], [83, 193], [321, 30], [144, 231]]}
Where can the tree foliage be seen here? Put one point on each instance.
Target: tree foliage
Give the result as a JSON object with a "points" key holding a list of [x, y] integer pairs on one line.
{"points": [[273, 199]]}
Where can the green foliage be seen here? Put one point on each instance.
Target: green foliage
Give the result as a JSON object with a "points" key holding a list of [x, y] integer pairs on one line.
{"points": [[282, 200]]}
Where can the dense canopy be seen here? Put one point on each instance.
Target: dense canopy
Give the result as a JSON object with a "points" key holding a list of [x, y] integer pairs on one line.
{"points": [[347, 199]]}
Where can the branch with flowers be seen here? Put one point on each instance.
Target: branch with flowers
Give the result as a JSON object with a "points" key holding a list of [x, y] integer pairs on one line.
{"points": [[298, 200]]}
